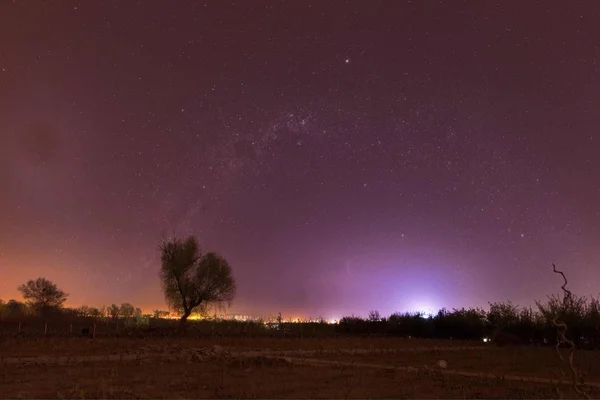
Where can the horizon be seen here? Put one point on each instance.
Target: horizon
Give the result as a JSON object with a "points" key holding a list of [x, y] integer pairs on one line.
{"points": [[231, 311]]}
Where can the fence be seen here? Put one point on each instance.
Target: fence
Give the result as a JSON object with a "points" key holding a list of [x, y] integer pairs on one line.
{"points": [[39, 327]]}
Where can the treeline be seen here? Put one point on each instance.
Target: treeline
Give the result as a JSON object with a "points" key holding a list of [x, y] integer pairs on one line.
{"points": [[503, 323], [17, 310]]}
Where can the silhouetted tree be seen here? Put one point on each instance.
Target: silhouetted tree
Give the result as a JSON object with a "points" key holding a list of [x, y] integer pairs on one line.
{"points": [[83, 311], [374, 316], [160, 314], [103, 311], [126, 310], [42, 295], [466, 324], [3, 309], [114, 311], [17, 308], [192, 280], [503, 315], [95, 312]]}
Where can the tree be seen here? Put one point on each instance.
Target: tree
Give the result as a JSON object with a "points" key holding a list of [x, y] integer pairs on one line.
{"points": [[126, 310], [3, 309], [103, 310], [374, 316], [42, 294], [16, 308], [192, 280], [160, 314], [83, 311], [95, 312], [114, 311]]}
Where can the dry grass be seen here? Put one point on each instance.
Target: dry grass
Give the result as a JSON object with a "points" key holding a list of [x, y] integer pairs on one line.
{"points": [[226, 376]]}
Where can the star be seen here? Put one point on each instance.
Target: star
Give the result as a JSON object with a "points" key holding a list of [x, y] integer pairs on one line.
{"points": [[267, 145]]}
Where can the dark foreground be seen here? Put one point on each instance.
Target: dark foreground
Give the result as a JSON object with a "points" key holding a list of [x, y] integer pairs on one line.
{"points": [[285, 368]]}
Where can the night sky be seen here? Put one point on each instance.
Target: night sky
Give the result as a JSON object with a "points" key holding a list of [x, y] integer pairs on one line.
{"points": [[342, 155]]}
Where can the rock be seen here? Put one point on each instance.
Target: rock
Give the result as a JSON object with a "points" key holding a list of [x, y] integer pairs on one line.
{"points": [[442, 364], [217, 349]]}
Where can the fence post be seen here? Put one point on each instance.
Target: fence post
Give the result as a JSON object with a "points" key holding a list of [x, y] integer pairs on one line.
{"points": [[19, 329], [45, 328], [71, 328]]}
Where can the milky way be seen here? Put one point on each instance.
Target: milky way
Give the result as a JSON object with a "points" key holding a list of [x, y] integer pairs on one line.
{"points": [[343, 156]]}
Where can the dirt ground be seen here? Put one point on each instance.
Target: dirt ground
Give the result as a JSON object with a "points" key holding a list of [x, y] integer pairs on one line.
{"points": [[85, 346], [539, 362], [282, 368]]}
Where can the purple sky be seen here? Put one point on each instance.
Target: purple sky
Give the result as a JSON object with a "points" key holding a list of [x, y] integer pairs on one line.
{"points": [[342, 155]]}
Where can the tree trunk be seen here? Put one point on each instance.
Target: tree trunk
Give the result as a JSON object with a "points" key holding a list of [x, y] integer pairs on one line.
{"points": [[184, 317]]}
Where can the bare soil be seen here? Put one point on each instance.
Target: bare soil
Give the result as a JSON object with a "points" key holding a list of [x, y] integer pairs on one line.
{"points": [[24, 347], [274, 368], [540, 362]]}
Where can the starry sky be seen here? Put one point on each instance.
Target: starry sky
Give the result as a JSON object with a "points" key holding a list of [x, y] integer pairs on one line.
{"points": [[342, 155]]}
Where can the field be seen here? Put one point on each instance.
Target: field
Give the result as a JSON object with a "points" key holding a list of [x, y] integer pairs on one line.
{"points": [[284, 368]]}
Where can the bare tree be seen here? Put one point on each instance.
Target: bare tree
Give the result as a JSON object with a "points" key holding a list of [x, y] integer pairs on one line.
{"points": [[374, 316], [561, 330], [193, 280], [42, 294]]}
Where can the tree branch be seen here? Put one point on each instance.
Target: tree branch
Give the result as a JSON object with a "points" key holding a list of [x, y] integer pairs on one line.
{"points": [[561, 328]]}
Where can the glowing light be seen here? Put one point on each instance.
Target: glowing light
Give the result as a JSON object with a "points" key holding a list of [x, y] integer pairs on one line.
{"points": [[423, 312], [423, 306]]}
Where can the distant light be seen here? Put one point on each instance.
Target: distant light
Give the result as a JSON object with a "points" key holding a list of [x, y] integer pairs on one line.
{"points": [[423, 308], [485, 340], [347, 61]]}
